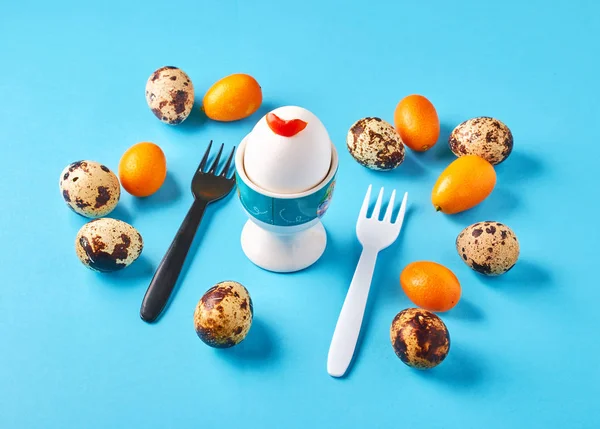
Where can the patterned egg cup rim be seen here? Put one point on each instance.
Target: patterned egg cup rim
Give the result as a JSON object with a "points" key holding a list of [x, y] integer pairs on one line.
{"points": [[241, 173]]}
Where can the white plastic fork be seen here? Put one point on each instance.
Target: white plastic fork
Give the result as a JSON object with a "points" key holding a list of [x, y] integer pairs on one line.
{"points": [[374, 236]]}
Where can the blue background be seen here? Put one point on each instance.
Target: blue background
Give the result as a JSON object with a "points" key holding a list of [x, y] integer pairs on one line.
{"points": [[73, 350]]}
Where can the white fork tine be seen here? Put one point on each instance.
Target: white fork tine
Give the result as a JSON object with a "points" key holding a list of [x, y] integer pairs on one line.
{"points": [[390, 208], [400, 217], [377, 208], [365, 204]]}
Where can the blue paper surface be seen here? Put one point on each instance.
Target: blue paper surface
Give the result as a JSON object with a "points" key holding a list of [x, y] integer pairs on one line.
{"points": [[73, 350]]}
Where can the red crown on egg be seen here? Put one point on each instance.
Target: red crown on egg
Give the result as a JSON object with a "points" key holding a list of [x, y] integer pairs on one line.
{"points": [[283, 127]]}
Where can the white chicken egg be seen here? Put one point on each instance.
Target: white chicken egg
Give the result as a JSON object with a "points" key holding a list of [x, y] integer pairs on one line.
{"points": [[288, 156]]}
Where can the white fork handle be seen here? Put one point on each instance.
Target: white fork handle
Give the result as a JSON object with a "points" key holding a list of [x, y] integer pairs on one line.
{"points": [[349, 322]]}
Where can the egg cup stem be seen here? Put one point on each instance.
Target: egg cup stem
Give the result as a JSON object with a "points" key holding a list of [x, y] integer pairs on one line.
{"points": [[283, 253]]}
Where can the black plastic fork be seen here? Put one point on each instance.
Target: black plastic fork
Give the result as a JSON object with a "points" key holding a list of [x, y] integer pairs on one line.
{"points": [[207, 187]]}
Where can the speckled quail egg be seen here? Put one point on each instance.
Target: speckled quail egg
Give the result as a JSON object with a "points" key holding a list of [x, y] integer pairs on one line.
{"points": [[224, 315], [375, 144], [108, 245], [490, 248], [170, 94], [89, 188], [485, 137], [419, 338]]}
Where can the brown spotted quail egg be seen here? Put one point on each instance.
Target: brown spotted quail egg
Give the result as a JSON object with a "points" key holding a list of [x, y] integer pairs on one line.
{"points": [[375, 144], [485, 137], [89, 188], [108, 245], [419, 338], [224, 315], [490, 248], [170, 94]]}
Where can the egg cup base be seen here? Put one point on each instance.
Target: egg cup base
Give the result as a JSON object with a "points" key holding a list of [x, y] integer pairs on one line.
{"points": [[283, 253]]}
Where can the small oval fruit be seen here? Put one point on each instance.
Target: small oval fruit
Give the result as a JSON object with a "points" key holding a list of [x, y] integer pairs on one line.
{"points": [[419, 338], [232, 98], [375, 144], [490, 248], [108, 245], [89, 188], [486, 137], [466, 182], [417, 122], [224, 315], [143, 169], [170, 95], [430, 285]]}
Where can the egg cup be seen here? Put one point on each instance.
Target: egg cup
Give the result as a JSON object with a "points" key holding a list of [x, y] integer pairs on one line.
{"points": [[284, 232]]}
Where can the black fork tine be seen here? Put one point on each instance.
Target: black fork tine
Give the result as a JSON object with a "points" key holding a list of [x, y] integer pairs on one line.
{"points": [[225, 171], [215, 163], [205, 157]]}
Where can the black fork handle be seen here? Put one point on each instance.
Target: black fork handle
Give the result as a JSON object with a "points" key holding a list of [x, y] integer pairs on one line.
{"points": [[168, 270]]}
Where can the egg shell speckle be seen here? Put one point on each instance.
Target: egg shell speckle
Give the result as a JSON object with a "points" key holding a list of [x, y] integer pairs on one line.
{"points": [[490, 248], [170, 94], [486, 137], [224, 315], [90, 188], [375, 144], [419, 338], [107, 245]]}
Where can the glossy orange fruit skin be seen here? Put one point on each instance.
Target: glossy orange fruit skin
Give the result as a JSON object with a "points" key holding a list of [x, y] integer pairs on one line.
{"points": [[143, 169], [417, 122], [466, 182], [430, 285], [232, 98]]}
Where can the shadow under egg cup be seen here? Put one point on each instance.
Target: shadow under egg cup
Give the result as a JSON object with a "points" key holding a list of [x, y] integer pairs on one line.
{"points": [[284, 232]]}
